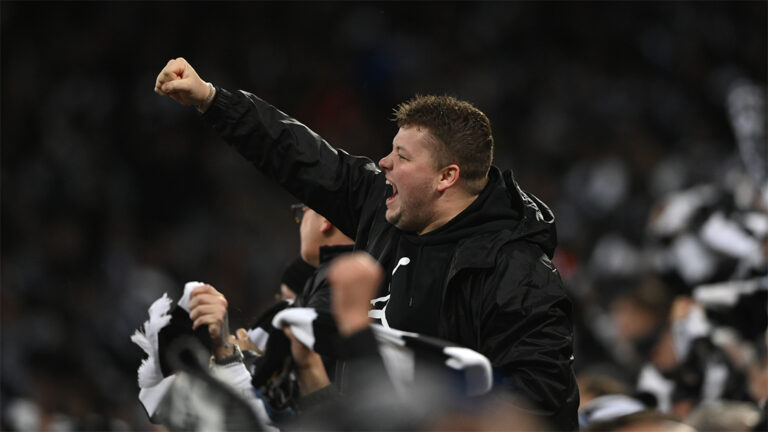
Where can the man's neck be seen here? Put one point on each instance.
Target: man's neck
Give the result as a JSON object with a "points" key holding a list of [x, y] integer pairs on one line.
{"points": [[451, 208]]}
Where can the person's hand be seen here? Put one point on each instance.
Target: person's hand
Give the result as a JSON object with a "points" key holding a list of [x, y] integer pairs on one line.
{"points": [[681, 307], [354, 279], [244, 342], [304, 357], [208, 306], [310, 370], [180, 82]]}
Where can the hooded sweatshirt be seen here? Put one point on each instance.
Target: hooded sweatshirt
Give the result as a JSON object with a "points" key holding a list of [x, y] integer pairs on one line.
{"points": [[416, 281]]}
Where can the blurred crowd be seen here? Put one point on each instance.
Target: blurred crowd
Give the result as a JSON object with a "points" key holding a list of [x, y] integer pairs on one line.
{"points": [[641, 124]]}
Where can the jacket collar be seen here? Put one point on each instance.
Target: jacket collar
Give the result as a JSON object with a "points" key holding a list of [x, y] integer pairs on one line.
{"points": [[533, 221], [328, 253]]}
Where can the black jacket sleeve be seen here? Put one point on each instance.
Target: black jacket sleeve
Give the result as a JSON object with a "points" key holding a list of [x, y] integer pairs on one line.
{"points": [[328, 180]]}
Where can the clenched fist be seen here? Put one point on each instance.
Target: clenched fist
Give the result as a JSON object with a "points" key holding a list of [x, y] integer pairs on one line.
{"points": [[354, 279], [180, 82], [209, 307]]}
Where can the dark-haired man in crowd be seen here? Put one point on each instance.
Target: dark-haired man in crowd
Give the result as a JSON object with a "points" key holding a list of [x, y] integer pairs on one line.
{"points": [[466, 252]]}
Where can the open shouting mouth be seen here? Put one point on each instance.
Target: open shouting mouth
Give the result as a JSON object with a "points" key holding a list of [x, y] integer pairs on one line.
{"points": [[391, 192]]}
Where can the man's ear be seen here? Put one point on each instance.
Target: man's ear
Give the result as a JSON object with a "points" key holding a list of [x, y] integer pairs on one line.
{"points": [[449, 176], [326, 226]]}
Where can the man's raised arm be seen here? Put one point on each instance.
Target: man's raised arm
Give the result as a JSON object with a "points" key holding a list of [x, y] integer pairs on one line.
{"points": [[328, 180]]}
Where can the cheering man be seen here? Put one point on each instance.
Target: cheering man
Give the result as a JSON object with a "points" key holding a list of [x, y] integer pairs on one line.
{"points": [[466, 251]]}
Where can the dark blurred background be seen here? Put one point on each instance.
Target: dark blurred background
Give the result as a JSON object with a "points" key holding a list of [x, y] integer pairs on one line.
{"points": [[112, 195]]}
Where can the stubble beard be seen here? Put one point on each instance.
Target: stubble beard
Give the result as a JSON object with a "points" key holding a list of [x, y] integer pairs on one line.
{"points": [[409, 217]]}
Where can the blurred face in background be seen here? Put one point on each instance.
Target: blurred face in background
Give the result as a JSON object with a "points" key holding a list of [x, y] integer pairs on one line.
{"points": [[285, 293], [410, 169], [311, 233]]}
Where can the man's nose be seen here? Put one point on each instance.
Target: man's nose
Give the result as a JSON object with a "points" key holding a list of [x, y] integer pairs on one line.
{"points": [[384, 163]]}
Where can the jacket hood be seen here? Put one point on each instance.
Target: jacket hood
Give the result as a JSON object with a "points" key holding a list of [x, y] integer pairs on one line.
{"points": [[538, 223], [501, 206]]}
